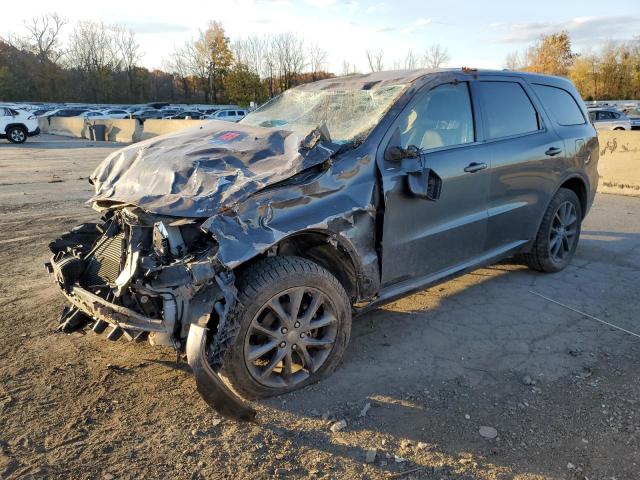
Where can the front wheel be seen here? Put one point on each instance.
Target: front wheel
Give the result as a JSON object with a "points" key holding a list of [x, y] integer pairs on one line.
{"points": [[294, 323], [16, 135], [557, 238]]}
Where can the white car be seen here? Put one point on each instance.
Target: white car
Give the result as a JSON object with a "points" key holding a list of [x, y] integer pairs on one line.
{"points": [[17, 125], [116, 113], [609, 119], [228, 115]]}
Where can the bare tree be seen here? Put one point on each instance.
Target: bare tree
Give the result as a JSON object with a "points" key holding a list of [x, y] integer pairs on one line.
{"points": [[43, 37], [410, 61], [348, 68], [128, 53], [91, 50], [178, 65], [252, 52], [288, 50], [317, 60], [436, 56], [375, 60], [514, 61]]}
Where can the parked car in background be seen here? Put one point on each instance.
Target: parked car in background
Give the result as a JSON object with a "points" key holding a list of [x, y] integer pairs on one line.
{"points": [[66, 112], [17, 125], [93, 114], [609, 119], [116, 113], [633, 114], [41, 111], [192, 114], [250, 246], [228, 115], [147, 114]]}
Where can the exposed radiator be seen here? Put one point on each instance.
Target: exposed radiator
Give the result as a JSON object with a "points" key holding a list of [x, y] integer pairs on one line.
{"points": [[105, 264]]}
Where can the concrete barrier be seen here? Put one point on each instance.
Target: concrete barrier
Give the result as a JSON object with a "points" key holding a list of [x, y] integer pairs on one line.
{"points": [[68, 126], [153, 128], [121, 130], [619, 163]]}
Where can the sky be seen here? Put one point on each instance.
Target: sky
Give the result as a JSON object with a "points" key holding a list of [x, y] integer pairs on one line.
{"points": [[477, 34]]}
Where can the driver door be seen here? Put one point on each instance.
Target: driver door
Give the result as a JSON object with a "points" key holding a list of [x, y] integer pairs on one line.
{"points": [[431, 237]]}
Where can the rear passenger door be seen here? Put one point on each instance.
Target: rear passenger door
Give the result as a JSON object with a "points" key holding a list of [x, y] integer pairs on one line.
{"points": [[526, 156]]}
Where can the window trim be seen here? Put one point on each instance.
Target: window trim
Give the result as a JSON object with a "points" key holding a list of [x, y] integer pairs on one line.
{"points": [[542, 126], [550, 113]]}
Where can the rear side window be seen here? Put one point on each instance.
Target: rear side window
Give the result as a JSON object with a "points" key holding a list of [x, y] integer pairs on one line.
{"points": [[508, 109], [561, 103]]}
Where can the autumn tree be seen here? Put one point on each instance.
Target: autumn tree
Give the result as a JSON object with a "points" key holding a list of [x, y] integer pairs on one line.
{"points": [[213, 57], [551, 55]]}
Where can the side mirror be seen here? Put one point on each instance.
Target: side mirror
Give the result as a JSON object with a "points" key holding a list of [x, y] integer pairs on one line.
{"points": [[425, 184]]}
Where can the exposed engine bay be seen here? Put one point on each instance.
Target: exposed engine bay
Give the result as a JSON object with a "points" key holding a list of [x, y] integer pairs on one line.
{"points": [[147, 277]]}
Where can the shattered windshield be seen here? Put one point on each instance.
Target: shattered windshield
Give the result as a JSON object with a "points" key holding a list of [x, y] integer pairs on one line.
{"points": [[347, 114]]}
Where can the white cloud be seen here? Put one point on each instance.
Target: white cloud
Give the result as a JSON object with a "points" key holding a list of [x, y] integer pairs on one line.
{"points": [[586, 30]]}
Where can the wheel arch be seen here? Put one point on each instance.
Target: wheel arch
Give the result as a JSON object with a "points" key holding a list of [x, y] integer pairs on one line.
{"points": [[578, 186], [19, 125], [329, 250]]}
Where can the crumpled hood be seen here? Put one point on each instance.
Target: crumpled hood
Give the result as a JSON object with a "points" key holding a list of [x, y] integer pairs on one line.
{"points": [[200, 171]]}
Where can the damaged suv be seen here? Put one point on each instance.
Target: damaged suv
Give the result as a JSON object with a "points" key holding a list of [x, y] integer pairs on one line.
{"points": [[249, 247]]}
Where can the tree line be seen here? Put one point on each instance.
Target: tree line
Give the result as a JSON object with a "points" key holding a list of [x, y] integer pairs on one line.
{"points": [[611, 72], [100, 63]]}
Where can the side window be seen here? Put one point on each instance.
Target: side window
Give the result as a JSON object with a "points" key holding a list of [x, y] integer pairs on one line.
{"points": [[615, 115], [592, 116], [561, 104], [231, 113], [508, 109], [4, 112], [441, 118], [604, 115], [222, 114]]}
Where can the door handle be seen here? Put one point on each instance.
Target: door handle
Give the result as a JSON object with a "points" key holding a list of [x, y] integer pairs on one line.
{"points": [[553, 151], [475, 167]]}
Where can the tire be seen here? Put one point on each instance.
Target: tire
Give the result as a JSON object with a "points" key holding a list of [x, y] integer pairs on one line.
{"points": [[17, 134], [542, 257], [274, 280], [618, 128]]}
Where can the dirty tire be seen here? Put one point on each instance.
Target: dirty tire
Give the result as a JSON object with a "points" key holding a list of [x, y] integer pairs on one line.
{"points": [[17, 135], [540, 257], [257, 286]]}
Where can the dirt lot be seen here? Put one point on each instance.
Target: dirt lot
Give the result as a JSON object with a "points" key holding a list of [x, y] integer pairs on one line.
{"points": [[561, 389]]}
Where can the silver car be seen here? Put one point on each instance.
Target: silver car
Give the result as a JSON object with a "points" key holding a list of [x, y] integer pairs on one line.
{"points": [[609, 119], [633, 114]]}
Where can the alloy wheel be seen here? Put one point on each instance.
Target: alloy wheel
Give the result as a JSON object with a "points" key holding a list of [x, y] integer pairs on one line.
{"points": [[563, 234], [17, 135], [290, 337]]}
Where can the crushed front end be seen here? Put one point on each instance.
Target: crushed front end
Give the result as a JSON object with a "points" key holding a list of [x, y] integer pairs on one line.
{"points": [[155, 278]]}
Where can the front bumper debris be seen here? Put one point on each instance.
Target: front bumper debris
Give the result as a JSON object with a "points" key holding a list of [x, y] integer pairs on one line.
{"points": [[171, 305], [210, 386]]}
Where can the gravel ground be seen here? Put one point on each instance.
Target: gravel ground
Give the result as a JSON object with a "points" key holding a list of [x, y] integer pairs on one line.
{"points": [[477, 378]]}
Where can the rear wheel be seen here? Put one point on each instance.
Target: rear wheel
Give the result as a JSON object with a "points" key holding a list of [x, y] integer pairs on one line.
{"points": [[558, 235], [17, 135], [294, 323]]}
